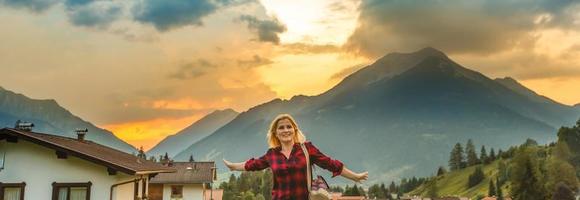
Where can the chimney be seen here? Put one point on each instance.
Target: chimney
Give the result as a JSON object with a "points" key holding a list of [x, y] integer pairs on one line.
{"points": [[24, 126], [81, 134]]}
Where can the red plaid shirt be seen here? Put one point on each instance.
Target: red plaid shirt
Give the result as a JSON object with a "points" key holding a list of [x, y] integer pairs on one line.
{"points": [[290, 174]]}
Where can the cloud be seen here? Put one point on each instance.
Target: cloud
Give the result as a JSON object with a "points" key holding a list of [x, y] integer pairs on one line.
{"points": [[267, 30], [86, 13], [169, 14], [467, 27], [193, 69], [146, 105], [256, 61], [164, 15], [93, 14], [525, 64], [304, 48], [36, 6]]}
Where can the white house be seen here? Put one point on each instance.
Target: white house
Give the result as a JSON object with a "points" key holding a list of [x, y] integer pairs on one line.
{"points": [[36, 166], [192, 181]]}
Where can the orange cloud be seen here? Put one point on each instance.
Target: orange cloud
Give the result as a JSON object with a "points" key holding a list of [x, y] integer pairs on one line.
{"points": [[181, 104]]}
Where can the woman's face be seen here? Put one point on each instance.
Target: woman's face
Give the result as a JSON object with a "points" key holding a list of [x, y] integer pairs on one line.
{"points": [[285, 131]]}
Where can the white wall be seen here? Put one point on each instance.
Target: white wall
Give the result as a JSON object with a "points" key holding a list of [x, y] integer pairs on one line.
{"points": [[190, 192], [39, 167]]}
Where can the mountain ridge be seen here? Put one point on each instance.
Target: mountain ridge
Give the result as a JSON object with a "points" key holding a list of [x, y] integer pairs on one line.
{"points": [[49, 117]]}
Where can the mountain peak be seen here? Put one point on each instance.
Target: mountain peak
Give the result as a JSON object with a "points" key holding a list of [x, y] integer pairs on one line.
{"points": [[507, 79], [420, 54], [227, 111], [513, 84], [430, 51], [516, 86], [386, 67]]}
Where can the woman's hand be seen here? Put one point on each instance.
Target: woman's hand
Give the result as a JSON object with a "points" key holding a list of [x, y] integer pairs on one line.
{"points": [[361, 177], [234, 166], [356, 177]]}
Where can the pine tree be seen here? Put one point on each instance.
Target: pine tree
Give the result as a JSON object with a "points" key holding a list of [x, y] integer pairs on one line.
{"points": [[492, 155], [491, 191], [392, 187], [191, 158], [441, 171], [471, 155], [456, 158], [483, 156], [166, 157]]}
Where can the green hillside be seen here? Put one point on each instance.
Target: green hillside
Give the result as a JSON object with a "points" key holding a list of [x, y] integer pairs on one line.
{"points": [[454, 183]]}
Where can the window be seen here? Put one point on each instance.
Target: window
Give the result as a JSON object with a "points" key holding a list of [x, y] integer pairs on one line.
{"points": [[71, 191], [12, 191], [176, 191]]}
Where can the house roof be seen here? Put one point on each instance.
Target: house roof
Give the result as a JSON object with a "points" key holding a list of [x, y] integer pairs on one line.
{"points": [[111, 158], [188, 173]]}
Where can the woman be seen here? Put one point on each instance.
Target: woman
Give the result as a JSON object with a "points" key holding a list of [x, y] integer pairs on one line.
{"points": [[288, 162]]}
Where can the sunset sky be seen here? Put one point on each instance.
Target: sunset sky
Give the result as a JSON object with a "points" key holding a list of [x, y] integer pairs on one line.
{"points": [[145, 69]]}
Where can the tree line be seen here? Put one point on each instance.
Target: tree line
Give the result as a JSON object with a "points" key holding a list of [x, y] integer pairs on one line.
{"points": [[532, 171]]}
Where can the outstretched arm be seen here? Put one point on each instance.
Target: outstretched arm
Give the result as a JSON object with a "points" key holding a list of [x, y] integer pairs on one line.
{"points": [[356, 177], [235, 166], [335, 166]]}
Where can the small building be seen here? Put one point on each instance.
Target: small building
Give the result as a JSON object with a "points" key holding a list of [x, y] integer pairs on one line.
{"points": [[189, 182], [42, 166]]}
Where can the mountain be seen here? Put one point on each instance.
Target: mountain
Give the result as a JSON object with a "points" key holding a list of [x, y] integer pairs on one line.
{"points": [[49, 117], [178, 142], [397, 117]]}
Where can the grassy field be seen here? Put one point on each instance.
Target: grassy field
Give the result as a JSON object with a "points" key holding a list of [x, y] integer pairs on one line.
{"points": [[455, 183]]}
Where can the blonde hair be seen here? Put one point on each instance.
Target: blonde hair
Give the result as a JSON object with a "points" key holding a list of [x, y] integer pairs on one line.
{"points": [[273, 141]]}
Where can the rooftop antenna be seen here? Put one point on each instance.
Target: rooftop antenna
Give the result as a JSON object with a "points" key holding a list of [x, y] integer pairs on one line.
{"points": [[25, 126], [81, 133]]}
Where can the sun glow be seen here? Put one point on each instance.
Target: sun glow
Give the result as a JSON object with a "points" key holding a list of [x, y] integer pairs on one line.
{"points": [[319, 22], [148, 133]]}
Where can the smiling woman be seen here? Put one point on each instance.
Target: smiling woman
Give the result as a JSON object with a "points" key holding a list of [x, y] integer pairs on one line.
{"points": [[290, 158]]}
